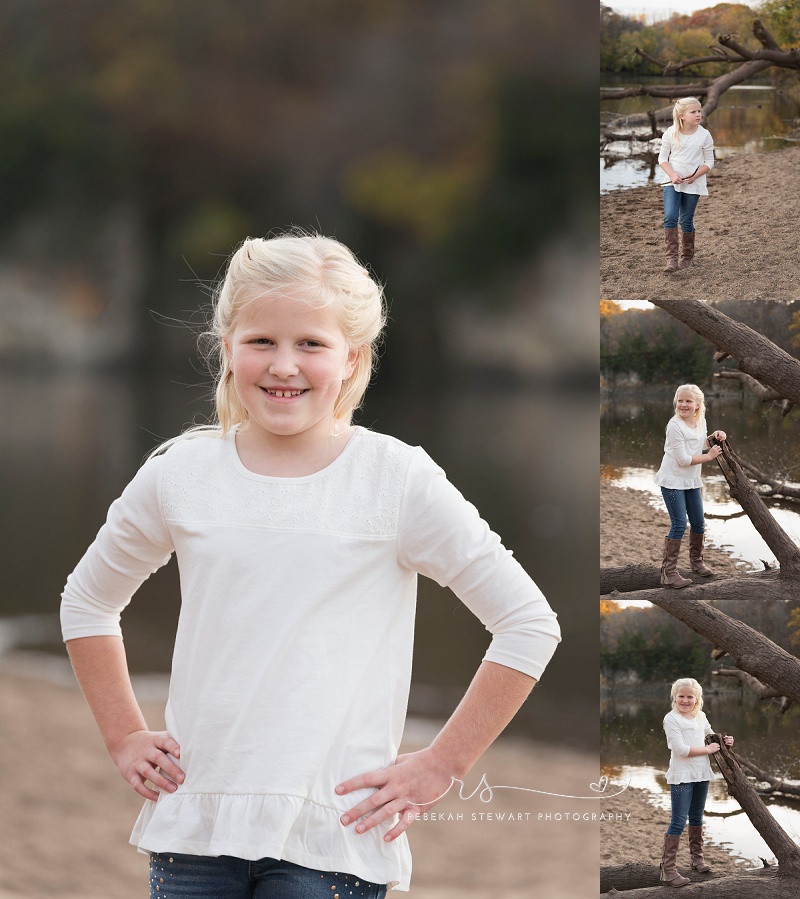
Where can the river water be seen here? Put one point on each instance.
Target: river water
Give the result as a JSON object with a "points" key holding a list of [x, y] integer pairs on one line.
{"points": [[633, 745], [750, 118]]}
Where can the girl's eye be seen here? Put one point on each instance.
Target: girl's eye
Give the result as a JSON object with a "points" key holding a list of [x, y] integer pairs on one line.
{"points": [[261, 341]]}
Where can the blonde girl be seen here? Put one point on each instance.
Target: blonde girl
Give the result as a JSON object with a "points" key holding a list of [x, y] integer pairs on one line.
{"points": [[685, 449], [687, 155], [299, 537], [686, 728]]}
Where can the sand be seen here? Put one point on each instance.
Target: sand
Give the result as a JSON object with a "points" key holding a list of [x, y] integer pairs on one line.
{"points": [[746, 235], [67, 813], [632, 531]]}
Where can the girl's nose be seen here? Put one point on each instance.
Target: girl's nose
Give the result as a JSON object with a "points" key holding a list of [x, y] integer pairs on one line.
{"points": [[283, 364]]}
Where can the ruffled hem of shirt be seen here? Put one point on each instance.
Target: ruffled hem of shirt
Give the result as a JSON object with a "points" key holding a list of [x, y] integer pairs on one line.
{"points": [[685, 777], [677, 483], [255, 825]]}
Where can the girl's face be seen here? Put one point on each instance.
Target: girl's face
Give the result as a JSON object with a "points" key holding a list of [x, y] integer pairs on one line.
{"points": [[692, 117], [685, 700], [686, 406], [288, 361]]}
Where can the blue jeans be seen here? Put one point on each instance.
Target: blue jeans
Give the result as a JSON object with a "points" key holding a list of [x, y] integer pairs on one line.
{"points": [[225, 877], [680, 504], [679, 207], [688, 800]]}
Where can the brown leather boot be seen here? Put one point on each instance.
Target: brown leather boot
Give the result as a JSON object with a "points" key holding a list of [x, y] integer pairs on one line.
{"points": [[669, 873], [696, 849], [696, 555], [670, 576], [687, 249], [671, 246]]}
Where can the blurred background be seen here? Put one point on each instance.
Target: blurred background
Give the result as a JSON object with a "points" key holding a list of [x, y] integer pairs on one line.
{"points": [[451, 145]]}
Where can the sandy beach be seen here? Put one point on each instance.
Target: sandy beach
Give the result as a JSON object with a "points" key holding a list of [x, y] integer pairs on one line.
{"points": [[632, 531], [67, 814], [746, 240]]}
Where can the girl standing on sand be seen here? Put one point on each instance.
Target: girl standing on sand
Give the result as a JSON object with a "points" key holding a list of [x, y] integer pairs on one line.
{"points": [[687, 155], [686, 728], [685, 449], [299, 538]]}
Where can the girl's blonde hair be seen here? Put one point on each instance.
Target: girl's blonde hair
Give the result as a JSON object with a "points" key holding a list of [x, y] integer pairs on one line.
{"points": [[693, 685], [697, 396], [678, 110], [307, 268], [310, 269]]}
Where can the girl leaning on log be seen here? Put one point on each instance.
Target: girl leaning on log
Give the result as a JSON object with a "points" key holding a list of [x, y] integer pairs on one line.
{"points": [[686, 728], [685, 449]]}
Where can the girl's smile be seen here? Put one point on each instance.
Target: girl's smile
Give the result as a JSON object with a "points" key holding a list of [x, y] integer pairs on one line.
{"points": [[288, 361], [686, 407], [685, 701]]}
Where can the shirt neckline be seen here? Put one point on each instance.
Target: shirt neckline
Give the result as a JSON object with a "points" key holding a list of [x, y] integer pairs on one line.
{"points": [[230, 440]]}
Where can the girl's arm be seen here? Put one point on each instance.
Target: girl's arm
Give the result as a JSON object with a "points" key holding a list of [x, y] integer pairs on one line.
{"points": [[663, 157], [677, 744], [132, 544], [442, 536], [141, 755], [675, 446], [417, 780]]}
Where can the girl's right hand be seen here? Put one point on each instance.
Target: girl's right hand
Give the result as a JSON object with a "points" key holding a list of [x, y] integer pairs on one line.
{"points": [[714, 451], [676, 178], [711, 748], [142, 755]]}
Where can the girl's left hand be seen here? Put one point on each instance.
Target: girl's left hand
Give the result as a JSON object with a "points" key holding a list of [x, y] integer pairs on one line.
{"points": [[720, 435], [413, 785], [728, 741]]}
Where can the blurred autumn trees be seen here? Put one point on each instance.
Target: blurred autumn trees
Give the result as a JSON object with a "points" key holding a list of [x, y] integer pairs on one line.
{"points": [[689, 36], [447, 143]]}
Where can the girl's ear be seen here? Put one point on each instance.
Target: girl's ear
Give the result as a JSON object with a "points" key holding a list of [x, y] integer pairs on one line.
{"points": [[353, 356]]}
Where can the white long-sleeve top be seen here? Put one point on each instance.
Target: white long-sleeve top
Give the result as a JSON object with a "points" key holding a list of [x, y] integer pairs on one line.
{"points": [[292, 659], [682, 734], [687, 156], [681, 443]]}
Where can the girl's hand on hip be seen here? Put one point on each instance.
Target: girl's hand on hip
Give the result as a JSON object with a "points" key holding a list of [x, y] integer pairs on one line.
{"points": [[142, 755], [414, 784]]}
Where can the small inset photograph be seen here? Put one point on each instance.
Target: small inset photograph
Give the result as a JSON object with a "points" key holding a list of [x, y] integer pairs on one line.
{"points": [[699, 154], [700, 596]]}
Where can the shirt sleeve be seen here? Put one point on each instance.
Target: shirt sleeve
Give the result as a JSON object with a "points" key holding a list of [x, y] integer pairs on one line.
{"points": [[708, 150], [675, 445], [130, 546], [707, 728], [666, 146], [441, 536], [675, 739]]}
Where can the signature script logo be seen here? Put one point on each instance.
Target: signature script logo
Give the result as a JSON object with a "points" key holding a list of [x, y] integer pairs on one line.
{"points": [[485, 791]]}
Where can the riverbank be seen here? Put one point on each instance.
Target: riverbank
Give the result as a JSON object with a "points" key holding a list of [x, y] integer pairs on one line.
{"points": [[634, 833], [67, 814], [632, 533], [746, 242]]}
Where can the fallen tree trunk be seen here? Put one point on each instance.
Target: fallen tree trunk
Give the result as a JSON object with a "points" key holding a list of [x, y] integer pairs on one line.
{"points": [[635, 875], [755, 355], [769, 883], [776, 784], [784, 848]]}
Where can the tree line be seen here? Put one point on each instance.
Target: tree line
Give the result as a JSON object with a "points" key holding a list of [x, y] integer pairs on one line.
{"points": [[653, 346], [689, 36]]}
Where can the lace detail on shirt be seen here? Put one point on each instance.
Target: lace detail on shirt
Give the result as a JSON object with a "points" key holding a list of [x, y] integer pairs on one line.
{"points": [[359, 495]]}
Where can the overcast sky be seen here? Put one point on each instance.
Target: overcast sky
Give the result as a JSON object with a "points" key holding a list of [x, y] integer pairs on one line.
{"points": [[657, 9]]}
